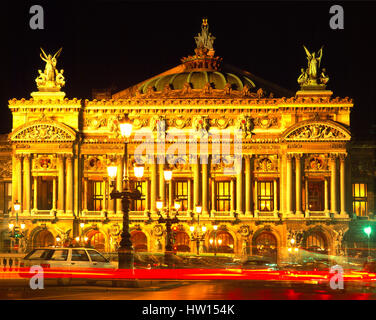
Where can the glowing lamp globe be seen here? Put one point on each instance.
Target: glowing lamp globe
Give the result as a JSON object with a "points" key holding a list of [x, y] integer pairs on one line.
{"points": [[159, 205], [138, 171], [192, 228], [112, 171], [17, 206], [125, 129], [198, 209], [167, 175], [367, 231]]}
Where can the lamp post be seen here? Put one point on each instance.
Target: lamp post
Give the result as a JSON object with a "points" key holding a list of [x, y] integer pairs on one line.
{"points": [[211, 241], [198, 233], [168, 221], [16, 229], [125, 250], [368, 231]]}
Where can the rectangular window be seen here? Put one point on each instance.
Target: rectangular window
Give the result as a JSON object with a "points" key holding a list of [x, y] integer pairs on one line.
{"points": [[44, 193], [181, 193], [96, 195], [360, 201], [316, 195], [223, 195], [265, 194], [139, 205], [5, 197]]}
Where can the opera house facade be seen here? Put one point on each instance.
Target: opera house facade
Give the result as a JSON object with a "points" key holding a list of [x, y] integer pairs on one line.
{"points": [[256, 168]]}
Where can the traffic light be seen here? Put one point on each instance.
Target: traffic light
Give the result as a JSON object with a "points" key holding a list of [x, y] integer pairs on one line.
{"points": [[367, 230]]}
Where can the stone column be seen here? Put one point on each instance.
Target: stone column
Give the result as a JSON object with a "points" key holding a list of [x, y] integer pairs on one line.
{"points": [[35, 196], [119, 183], [162, 184], [333, 184], [342, 169], [147, 196], [27, 183], [171, 199], [153, 186], [213, 196], [196, 183], [255, 200], [18, 180], [298, 185], [189, 195], [232, 191], [61, 191], [326, 190], [85, 195], [275, 193], [69, 184], [248, 186], [289, 184], [205, 185], [54, 193], [239, 189], [306, 198]]}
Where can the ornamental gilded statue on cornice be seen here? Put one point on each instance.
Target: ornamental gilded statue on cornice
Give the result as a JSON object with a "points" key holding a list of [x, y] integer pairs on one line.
{"points": [[245, 124], [51, 80], [158, 125], [313, 77], [201, 125]]}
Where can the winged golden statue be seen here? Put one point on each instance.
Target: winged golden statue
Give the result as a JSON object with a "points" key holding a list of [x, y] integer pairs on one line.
{"points": [[51, 78], [312, 76]]}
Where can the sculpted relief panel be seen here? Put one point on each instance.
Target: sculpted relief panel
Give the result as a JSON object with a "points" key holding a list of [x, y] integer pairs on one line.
{"points": [[317, 131]]}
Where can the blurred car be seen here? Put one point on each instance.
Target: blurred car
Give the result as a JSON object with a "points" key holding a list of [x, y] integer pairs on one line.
{"points": [[258, 263], [67, 258]]}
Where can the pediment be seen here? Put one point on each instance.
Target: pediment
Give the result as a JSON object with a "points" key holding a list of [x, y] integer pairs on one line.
{"points": [[43, 131], [324, 130]]}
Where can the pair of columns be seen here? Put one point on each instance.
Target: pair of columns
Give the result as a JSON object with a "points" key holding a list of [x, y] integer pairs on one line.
{"points": [[333, 185], [22, 181]]}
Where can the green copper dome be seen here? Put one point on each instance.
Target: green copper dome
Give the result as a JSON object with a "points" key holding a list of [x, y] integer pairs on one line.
{"points": [[197, 80]]}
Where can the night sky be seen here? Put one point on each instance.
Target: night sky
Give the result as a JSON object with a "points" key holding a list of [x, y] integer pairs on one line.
{"points": [[120, 43]]}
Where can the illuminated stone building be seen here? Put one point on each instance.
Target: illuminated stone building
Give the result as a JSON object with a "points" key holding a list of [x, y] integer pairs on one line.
{"points": [[295, 177]]}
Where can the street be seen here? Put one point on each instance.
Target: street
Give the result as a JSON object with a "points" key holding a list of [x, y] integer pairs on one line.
{"points": [[184, 290]]}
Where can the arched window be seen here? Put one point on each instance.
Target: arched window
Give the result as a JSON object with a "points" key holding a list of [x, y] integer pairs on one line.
{"points": [[139, 241], [225, 242], [316, 242], [96, 240], [182, 241], [266, 245], [43, 238]]}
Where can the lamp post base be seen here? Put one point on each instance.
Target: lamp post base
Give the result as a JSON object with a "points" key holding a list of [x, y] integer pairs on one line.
{"points": [[126, 259]]}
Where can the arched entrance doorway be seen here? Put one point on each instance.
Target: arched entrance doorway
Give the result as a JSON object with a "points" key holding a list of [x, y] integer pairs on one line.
{"points": [[96, 240], [225, 242], [316, 243], [182, 241], [43, 238], [139, 241], [265, 245]]}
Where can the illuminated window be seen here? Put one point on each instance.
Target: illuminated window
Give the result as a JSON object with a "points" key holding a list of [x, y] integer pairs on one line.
{"points": [[5, 197], [139, 205], [265, 195], [223, 195], [44, 193], [96, 194], [181, 193], [316, 195], [360, 202]]}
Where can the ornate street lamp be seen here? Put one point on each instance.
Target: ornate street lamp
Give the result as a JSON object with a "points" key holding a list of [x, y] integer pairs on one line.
{"points": [[125, 250], [16, 229], [198, 233], [168, 221]]}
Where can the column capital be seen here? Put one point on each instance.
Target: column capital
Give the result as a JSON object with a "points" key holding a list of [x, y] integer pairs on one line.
{"points": [[333, 156], [289, 156], [60, 156], [18, 156], [342, 156], [298, 156], [27, 156]]}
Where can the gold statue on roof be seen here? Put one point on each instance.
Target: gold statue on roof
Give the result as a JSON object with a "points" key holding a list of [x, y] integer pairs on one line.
{"points": [[51, 79], [312, 76]]}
